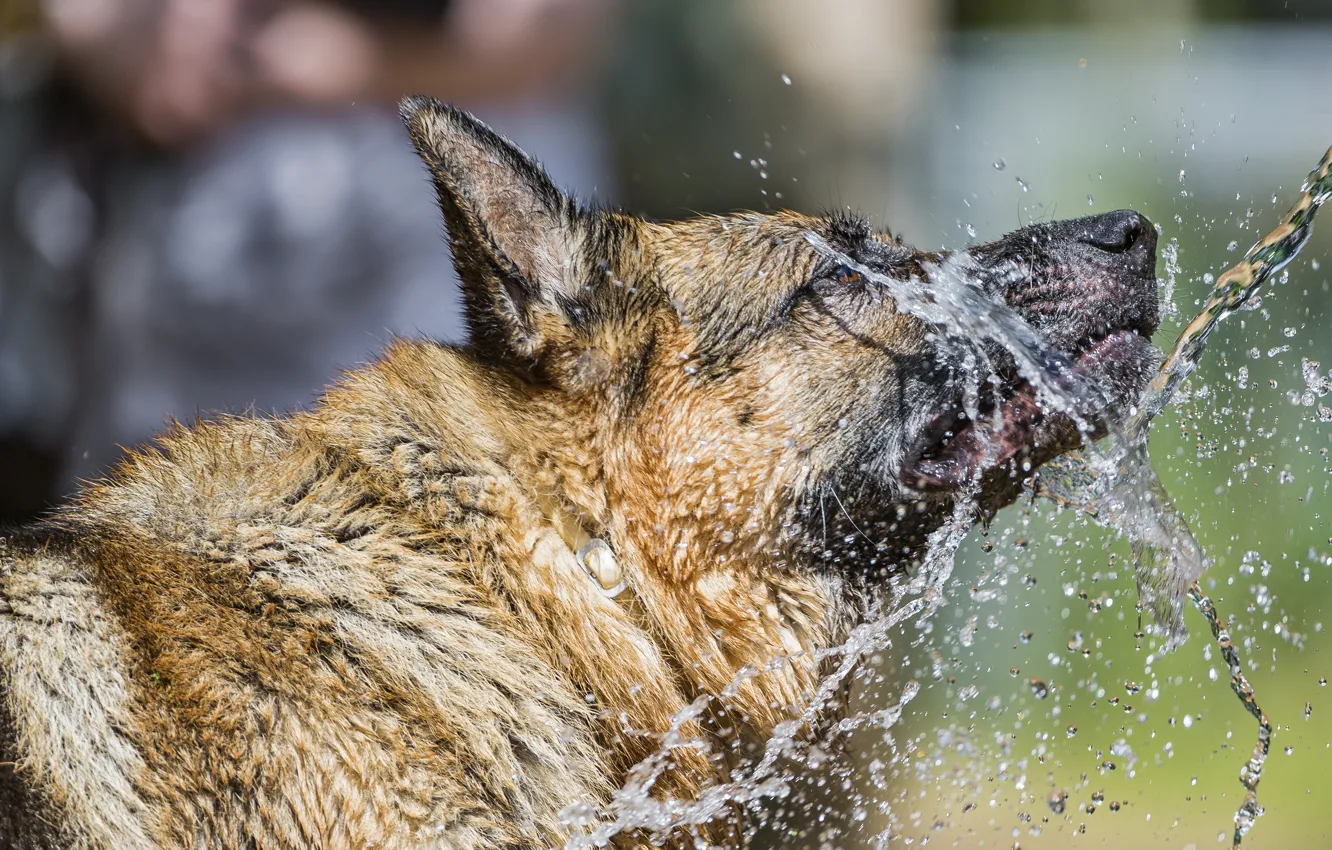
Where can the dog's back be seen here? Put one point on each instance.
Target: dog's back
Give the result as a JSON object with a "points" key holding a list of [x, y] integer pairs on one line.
{"points": [[66, 667], [247, 639], [49, 632]]}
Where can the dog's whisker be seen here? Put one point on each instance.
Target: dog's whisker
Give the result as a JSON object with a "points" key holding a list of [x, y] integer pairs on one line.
{"points": [[833, 491]]}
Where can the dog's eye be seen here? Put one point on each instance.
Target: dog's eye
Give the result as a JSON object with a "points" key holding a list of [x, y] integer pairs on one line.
{"points": [[835, 283], [845, 274]]}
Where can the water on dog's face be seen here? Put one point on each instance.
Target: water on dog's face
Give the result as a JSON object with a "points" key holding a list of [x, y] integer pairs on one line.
{"points": [[1042, 340]]}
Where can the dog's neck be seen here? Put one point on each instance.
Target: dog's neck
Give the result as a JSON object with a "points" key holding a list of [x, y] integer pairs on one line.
{"points": [[719, 595], [706, 608]]}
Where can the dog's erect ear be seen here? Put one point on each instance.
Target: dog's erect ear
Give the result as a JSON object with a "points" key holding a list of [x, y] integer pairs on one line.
{"points": [[515, 237]]}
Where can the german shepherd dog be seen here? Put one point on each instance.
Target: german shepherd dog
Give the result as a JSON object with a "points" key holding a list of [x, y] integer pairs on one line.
{"points": [[473, 584]]}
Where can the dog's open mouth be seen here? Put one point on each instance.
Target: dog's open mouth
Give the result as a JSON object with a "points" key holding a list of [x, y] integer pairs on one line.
{"points": [[1089, 290], [1014, 431]]}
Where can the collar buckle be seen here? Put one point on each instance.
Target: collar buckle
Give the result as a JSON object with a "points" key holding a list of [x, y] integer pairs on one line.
{"points": [[599, 562]]}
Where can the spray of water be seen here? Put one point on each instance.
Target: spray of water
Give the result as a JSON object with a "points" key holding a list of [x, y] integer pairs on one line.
{"points": [[955, 304], [1235, 287], [632, 809], [1252, 771], [1116, 475], [1168, 560]]}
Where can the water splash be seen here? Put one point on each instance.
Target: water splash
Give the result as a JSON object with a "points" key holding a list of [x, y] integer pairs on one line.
{"points": [[632, 810], [1235, 287], [1126, 492], [1167, 559], [1117, 476], [955, 304]]}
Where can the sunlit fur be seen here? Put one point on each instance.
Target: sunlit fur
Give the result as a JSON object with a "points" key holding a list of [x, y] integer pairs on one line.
{"points": [[364, 624]]}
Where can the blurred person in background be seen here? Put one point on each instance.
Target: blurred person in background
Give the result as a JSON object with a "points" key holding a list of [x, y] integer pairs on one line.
{"points": [[211, 206]]}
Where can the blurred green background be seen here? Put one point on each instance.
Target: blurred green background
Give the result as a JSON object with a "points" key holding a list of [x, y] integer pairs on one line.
{"points": [[130, 129]]}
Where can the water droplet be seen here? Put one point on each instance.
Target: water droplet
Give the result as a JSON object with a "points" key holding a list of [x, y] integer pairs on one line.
{"points": [[578, 814], [786, 79], [999, 164], [1058, 799]]}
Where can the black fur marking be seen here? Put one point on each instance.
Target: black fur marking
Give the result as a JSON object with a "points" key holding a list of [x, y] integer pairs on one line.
{"points": [[847, 231], [55, 533], [633, 387]]}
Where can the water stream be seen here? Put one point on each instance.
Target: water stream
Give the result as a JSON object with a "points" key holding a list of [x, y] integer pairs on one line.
{"points": [[1167, 559]]}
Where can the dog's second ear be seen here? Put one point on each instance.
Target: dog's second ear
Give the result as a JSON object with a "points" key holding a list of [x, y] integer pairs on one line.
{"points": [[515, 237]]}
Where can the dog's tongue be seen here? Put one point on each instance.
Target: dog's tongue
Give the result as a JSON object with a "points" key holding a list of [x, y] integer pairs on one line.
{"points": [[976, 445]]}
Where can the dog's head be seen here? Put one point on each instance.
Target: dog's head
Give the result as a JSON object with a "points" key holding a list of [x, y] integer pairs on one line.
{"points": [[750, 381]]}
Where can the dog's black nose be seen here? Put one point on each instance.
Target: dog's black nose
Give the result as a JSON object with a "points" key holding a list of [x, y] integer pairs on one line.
{"points": [[1117, 232]]}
